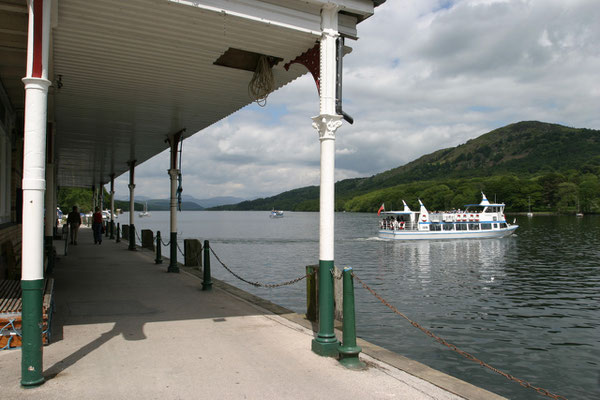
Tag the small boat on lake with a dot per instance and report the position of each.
(145, 213)
(276, 214)
(476, 221)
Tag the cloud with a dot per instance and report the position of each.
(424, 75)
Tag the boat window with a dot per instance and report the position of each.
(435, 227)
(461, 227)
(486, 226)
(503, 225)
(448, 227)
(495, 218)
(495, 226)
(473, 227)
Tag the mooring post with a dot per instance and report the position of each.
(158, 259)
(206, 281)
(348, 349)
(118, 232)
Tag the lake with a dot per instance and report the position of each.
(528, 304)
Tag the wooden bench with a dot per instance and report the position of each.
(10, 312)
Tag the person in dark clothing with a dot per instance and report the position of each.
(97, 226)
(74, 220)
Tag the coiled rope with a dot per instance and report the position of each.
(262, 82)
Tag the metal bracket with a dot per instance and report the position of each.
(311, 59)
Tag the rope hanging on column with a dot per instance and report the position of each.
(262, 82)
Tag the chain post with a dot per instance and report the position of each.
(118, 232)
(158, 259)
(206, 282)
(112, 230)
(348, 350)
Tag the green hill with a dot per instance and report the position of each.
(556, 166)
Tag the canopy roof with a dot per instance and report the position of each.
(126, 74)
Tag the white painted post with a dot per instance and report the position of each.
(34, 184)
(327, 123)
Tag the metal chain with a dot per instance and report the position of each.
(180, 251)
(258, 284)
(456, 349)
(138, 236)
(165, 244)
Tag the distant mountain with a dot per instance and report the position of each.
(534, 158)
(213, 201)
(189, 203)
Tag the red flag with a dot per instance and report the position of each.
(382, 208)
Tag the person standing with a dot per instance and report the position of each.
(97, 226)
(74, 220)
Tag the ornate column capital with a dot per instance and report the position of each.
(327, 124)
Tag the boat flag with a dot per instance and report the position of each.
(382, 208)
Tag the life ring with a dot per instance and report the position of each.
(401, 224)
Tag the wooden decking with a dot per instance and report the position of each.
(10, 312)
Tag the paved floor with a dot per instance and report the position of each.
(126, 329)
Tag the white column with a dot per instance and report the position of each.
(327, 123)
(34, 179)
(131, 203)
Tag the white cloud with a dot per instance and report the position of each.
(425, 75)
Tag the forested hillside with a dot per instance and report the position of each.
(551, 167)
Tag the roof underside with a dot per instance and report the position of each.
(133, 72)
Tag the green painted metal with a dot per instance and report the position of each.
(206, 279)
(325, 344)
(348, 350)
(173, 267)
(132, 237)
(112, 230)
(31, 350)
(158, 259)
(118, 232)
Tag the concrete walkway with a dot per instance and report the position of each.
(126, 329)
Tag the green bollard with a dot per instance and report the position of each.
(206, 282)
(118, 232)
(348, 349)
(158, 259)
(112, 230)
(106, 229)
(173, 267)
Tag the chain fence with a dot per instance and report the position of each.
(455, 348)
(258, 284)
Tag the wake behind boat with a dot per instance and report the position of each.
(476, 221)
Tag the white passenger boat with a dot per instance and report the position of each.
(145, 213)
(476, 221)
(276, 214)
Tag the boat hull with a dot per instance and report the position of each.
(441, 235)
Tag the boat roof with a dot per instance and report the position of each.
(399, 212)
(486, 205)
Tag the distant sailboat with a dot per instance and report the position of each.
(145, 213)
(529, 213)
(578, 214)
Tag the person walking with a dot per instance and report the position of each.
(74, 220)
(97, 226)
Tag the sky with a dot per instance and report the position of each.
(424, 75)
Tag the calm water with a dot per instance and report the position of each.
(528, 304)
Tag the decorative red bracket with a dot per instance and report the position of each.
(311, 60)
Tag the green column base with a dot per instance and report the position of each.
(173, 267)
(132, 238)
(325, 348)
(31, 349)
(325, 344)
(349, 357)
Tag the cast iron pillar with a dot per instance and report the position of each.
(112, 206)
(327, 122)
(131, 205)
(33, 185)
(174, 140)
